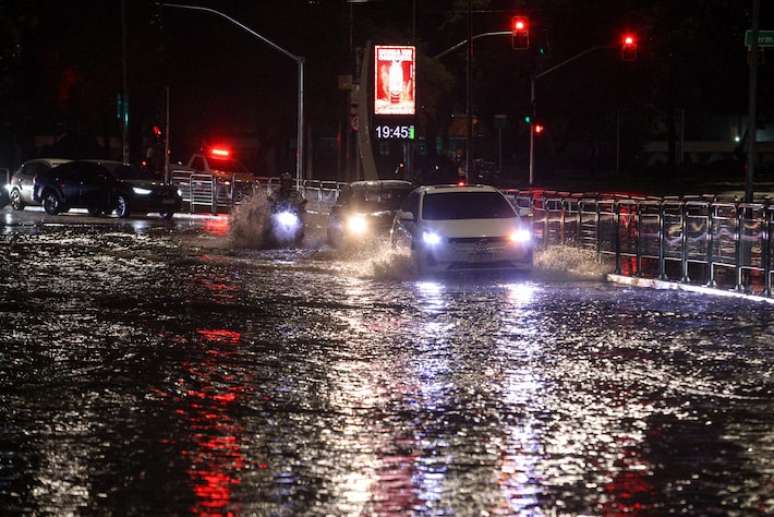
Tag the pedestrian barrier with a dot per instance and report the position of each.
(696, 240)
(218, 193)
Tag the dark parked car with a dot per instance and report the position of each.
(139, 191)
(365, 210)
(21, 184)
(91, 185)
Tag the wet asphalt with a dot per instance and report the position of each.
(151, 367)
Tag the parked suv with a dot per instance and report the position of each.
(20, 188)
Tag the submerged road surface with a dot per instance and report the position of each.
(153, 368)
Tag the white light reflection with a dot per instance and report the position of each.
(521, 294)
(431, 374)
(518, 476)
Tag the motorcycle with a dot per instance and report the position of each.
(285, 224)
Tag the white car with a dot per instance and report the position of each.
(461, 228)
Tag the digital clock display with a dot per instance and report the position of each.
(395, 132)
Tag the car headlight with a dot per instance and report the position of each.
(431, 238)
(521, 236)
(179, 192)
(141, 191)
(286, 219)
(357, 224)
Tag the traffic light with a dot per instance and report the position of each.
(520, 32)
(629, 47)
(538, 129)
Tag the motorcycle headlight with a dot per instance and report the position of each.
(141, 191)
(431, 238)
(357, 224)
(287, 219)
(521, 236)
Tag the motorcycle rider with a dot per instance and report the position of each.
(287, 194)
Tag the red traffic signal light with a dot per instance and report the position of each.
(629, 47)
(520, 32)
(538, 128)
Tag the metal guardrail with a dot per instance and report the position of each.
(220, 194)
(693, 240)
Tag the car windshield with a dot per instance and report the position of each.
(131, 173)
(466, 205)
(375, 198)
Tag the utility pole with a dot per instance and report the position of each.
(752, 123)
(166, 138)
(469, 103)
(125, 88)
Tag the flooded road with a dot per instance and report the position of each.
(153, 368)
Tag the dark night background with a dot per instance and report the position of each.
(60, 74)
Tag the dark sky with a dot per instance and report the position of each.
(223, 81)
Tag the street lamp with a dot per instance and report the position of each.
(298, 59)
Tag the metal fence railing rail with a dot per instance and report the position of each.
(219, 193)
(693, 240)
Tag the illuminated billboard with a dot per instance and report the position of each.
(394, 86)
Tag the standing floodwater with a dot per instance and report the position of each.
(147, 369)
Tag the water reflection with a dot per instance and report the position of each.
(208, 391)
(137, 382)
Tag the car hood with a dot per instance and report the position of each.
(472, 228)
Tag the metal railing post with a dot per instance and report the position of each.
(579, 229)
(768, 225)
(231, 195)
(597, 223)
(638, 240)
(214, 194)
(661, 241)
(562, 221)
(617, 236)
(738, 249)
(711, 246)
(684, 243)
(545, 224)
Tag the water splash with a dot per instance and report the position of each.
(248, 220)
(566, 263)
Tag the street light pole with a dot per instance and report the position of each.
(469, 103)
(752, 122)
(532, 120)
(125, 89)
(298, 59)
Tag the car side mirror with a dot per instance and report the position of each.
(404, 215)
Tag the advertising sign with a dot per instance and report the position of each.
(394, 82)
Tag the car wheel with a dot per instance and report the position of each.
(122, 206)
(167, 215)
(16, 200)
(50, 202)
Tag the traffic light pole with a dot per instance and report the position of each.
(469, 103)
(298, 59)
(752, 122)
(532, 99)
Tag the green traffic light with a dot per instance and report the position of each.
(528, 119)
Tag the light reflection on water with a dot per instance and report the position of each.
(273, 383)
